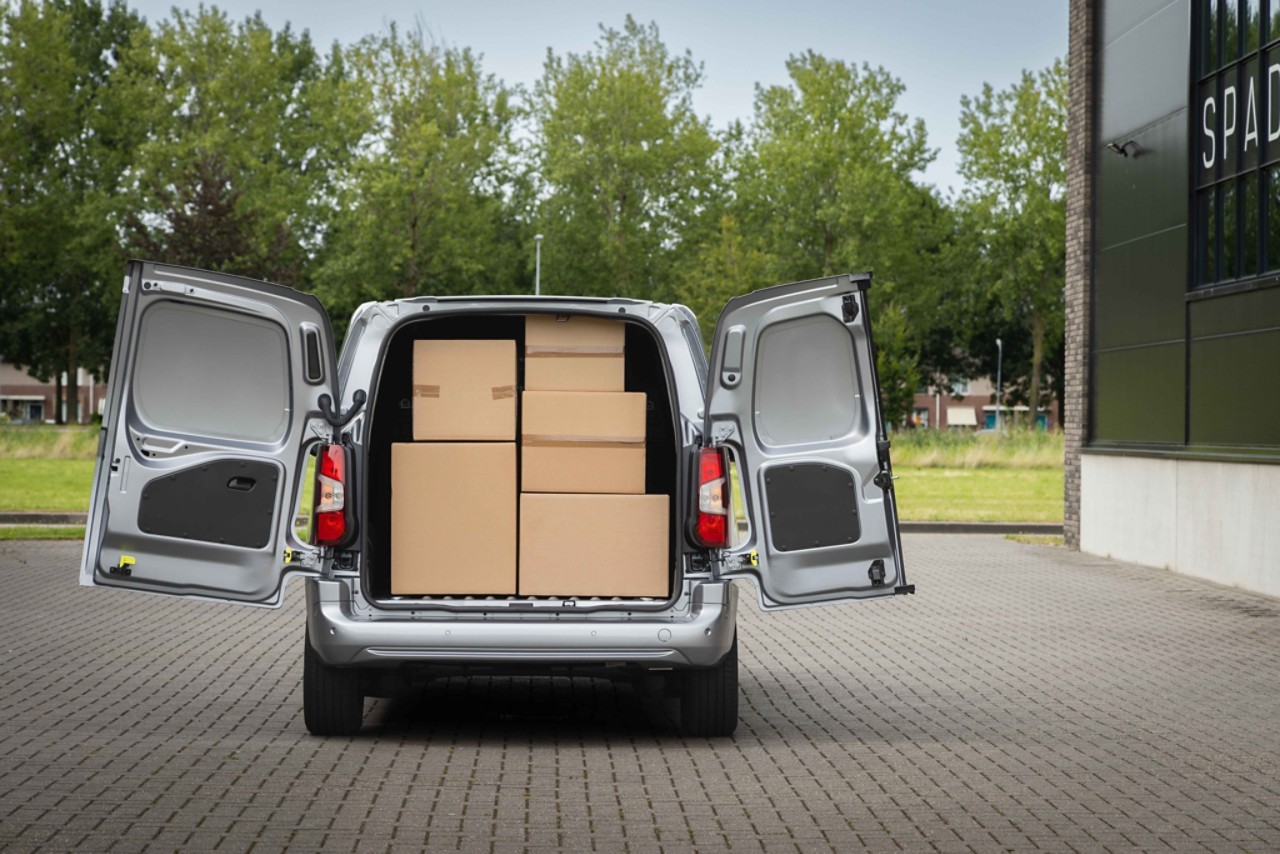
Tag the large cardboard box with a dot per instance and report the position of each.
(594, 545)
(573, 353)
(464, 391)
(453, 518)
(582, 441)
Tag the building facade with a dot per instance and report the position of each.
(972, 405)
(1173, 286)
(26, 400)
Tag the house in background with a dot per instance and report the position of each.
(26, 400)
(970, 405)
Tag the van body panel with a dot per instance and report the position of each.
(697, 635)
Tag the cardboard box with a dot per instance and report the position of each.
(464, 391)
(573, 353)
(582, 441)
(453, 518)
(594, 545)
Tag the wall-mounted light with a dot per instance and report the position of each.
(1123, 148)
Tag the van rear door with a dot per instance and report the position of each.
(792, 394)
(215, 396)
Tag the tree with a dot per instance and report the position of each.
(1013, 155)
(423, 207)
(827, 183)
(622, 164)
(245, 130)
(829, 169)
(63, 151)
(721, 268)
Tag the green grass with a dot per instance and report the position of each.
(979, 495)
(953, 476)
(57, 485)
(41, 532)
(1015, 449)
(24, 442)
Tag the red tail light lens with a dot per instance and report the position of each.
(712, 529)
(329, 508)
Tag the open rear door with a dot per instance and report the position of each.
(214, 396)
(792, 394)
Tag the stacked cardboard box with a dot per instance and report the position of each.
(453, 490)
(573, 353)
(586, 526)
(582, 441)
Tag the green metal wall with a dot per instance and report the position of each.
(1172, 370)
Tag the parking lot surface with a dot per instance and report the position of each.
(1027, 698)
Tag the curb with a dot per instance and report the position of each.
(43, 518)
(907, 527)
(1051, 528)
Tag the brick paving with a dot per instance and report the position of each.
(1028, 698)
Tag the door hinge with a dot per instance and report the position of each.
(884, 480)
(905, 589)
(850, 308)
(876, 573)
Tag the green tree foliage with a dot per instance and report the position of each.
(398, 167)
(1013, 147)
(829, 171)
(721, 268)
(622, 162)
(245, 129)
(424, 206)
(63, 151)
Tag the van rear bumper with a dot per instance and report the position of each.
(699, 637)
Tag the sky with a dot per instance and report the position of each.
(940, 49)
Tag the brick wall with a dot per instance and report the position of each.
(1079, 275)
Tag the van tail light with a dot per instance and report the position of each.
(330, 518)
(712, 529)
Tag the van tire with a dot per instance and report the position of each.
(709, 697)
(332, 702)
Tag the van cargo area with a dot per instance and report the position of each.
(391, 422)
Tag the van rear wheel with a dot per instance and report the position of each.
(709, 697)
(332, 702)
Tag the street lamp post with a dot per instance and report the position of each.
(537, 265)
(999, 369)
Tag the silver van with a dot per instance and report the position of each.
(225, 392)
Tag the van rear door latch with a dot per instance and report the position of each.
(124, 567)
(876, 573)
(849, 308)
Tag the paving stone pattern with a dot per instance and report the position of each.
(1027, 698)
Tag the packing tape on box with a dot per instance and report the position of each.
(569, 351)
(499, 392)
(617, 442)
